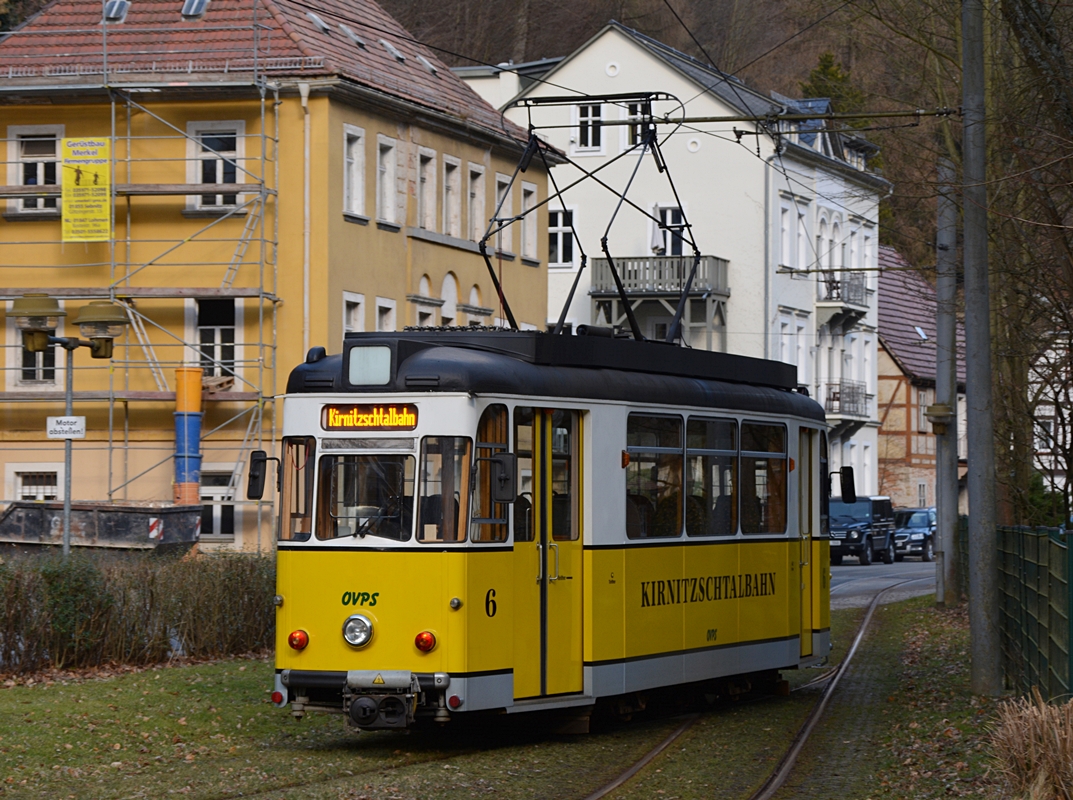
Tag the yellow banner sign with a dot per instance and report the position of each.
(87, 190)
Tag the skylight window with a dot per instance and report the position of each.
(352, 36)
(393, 50)
(116, 10)
(322, 26)
(920, 333)
(428, 64)
(194, 9)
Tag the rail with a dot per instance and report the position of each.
(847, 397)
(660, 275)
(844, 287)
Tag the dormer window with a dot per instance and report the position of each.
(115, 11)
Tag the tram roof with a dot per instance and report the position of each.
(534, 363)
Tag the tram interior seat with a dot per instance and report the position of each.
(432, 517)
(560, 516)
(523, 518)
(640, 515)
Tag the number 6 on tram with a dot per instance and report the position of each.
(513, 521)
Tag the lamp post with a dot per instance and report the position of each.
(100, 321)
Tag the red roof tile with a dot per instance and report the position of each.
(64, 44)
(907, 301)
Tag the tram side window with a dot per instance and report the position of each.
(444, 488)
(523, 448)
(564, 526)
(296, 517)
(712, 477)
(654, 496)
(366, 495)
(489, 523)
(763, 478)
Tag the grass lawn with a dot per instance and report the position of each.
(209, 731)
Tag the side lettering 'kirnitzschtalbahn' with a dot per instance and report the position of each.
(707, 589)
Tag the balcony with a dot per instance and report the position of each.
(846, 404)
(843, 299)
(653, 276)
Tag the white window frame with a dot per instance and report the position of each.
(452, 196)
(670, 241)
(194, 159)
(14, 382)
(353, 170)
(193, 350)
(563, 232)
(387, 190)
(220, 493)
(801, 357)
(13, 468)
(14, 164)
(786, 256)
(390, 306)
(529, 220)
(353, 300)
(504, 191)
(426, 188)
(802, 238)
(475, 197)
(628, 130)
(922, 426)
(922, 494)
(584, 127)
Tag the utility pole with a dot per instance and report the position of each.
(986, 671)
(946, 460)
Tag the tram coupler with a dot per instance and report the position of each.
(389, 699)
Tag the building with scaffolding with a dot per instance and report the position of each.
(277, 174)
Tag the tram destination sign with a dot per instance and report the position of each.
(370, 417)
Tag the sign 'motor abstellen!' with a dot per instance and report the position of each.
(66, 428)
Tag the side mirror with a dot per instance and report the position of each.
(504, 469)
(255, 487)
(849, 491)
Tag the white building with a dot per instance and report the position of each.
(785, 218)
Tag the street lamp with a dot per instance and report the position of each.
(100, 321)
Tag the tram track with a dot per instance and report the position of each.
(784, 767)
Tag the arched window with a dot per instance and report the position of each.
(449, 295)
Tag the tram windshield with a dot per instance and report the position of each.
(368, 495)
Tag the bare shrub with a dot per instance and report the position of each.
(85, 611)
(1032, 742)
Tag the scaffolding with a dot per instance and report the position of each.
(232, 252)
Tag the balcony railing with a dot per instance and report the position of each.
(848, 398)
(844, 287)
(660, 275)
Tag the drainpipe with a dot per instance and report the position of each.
(303, 91)
(768, 179)
(187, 436)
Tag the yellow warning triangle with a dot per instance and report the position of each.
(378, 680)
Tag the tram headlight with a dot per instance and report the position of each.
(357, 630)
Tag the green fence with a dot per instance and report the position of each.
(1035, 566)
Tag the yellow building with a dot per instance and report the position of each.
(276, 177)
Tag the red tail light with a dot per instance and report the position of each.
(425, 641)
(277, 697)
(298, 640)
(454, 701)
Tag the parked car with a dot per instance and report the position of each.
(914, 533)
(864, 529)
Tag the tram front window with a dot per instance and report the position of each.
(444, 488)
(366, 496)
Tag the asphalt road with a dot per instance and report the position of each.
(853, 585)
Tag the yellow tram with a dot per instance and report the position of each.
(512, 520)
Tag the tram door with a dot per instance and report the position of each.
(547, 553)
(807, 458)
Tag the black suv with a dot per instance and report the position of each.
(864, 529)
(914, 533)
